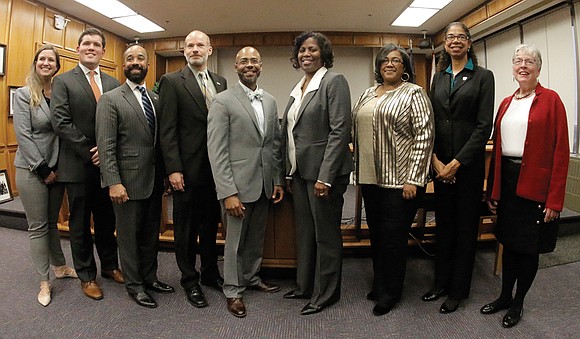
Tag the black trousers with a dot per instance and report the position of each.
(457, 212)
(389, 218)
(138, 238)
(85, 199)
(196, 212)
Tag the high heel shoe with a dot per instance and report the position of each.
(44, 294)
(64, 271)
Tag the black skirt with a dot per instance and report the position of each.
(520, 222)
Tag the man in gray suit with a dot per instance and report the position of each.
(73, 106)
(132, 169)
(244, 152)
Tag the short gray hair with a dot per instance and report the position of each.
(531, 50)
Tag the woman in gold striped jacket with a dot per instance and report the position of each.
(393, 134)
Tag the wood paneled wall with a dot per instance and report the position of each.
(24, 26)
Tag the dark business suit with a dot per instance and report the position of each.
(129, 156)
(322, 133)
(463, 122)
(183, 138)
(248, 163)
(73, 106)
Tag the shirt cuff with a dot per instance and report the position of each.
(322, 182)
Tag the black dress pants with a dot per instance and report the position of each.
(389, 218)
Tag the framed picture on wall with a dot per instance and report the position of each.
(10, 105)
(2, 59)
(5, 194)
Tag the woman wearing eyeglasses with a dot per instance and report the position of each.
(393, 134)
(462, 94)
(527, 179)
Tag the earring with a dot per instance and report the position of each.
(405, 77)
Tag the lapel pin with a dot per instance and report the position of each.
(464, 78)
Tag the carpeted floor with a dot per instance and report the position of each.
(552, 309)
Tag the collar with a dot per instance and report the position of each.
(257, 94)
(86, 70)
(133, 85)
(196, 72)
(469, 65)
(312, 86)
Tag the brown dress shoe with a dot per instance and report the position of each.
(115, 275)
(92, 289)
(236, 307)
(263, 286)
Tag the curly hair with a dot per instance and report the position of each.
(382, 55)
(445, 59)
(326, 53)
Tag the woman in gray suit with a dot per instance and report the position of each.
(36, 176)
(316, 128)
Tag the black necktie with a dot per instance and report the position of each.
(148, 109)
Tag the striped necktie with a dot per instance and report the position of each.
(205, 89)
(148, 108)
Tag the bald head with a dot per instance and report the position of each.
(249, 66)
(197, 50)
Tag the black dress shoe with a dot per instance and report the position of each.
(433, 294)
(495, 306)
(217, 283)
(195, 296)
(449, 306)
(512, 317)
(143, 299)
(382, 309)
(263, 286)
(371, 296)
(292, 295)
(159, 287)
(311, 309)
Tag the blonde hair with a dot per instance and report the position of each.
(33, 81)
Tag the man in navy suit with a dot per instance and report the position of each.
(185, 96)
(73, 106)
(132, 170)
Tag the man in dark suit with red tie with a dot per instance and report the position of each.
(185, 96)
(73, 106)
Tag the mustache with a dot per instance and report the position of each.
(139, 67)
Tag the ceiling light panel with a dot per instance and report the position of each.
(139, 23)
(438, 4)
(108, 8)
(414, 17)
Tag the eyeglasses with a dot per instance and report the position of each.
(393, 61)
(520, 61)
(253, 61)
(460, 37)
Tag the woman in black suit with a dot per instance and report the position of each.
(316, 129)
(462, 94)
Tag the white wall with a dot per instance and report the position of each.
(279, 77)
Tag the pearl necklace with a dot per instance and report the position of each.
(525, 95)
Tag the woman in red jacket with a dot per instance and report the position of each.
(527, 179)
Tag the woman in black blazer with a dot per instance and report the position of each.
(316, 133)
(462, 94)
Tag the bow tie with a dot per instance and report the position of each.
(258, 94)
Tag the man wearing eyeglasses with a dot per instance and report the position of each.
(243, 143)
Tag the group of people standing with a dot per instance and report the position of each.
(225, 150)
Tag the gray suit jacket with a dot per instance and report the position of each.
(323, 131)
(243, 161)
(126, 145)
(73, 108)
(37, 142)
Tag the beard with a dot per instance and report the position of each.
(136, 77)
